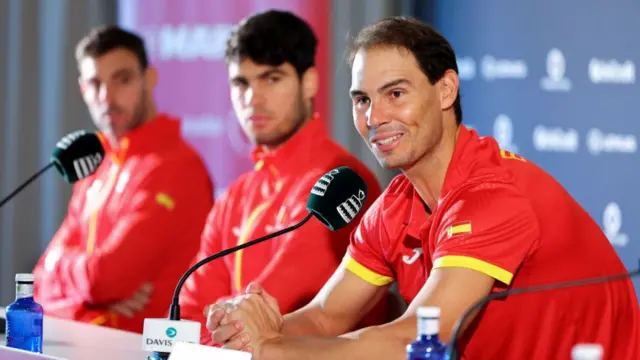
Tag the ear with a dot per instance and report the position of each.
(151, 77)
(449, 85)
(310, 83)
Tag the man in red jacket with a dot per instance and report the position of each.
(132, 227)
(273, 82)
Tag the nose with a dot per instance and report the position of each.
(253, 96)
(105, 94)
(375, 115)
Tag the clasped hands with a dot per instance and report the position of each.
(245, 322)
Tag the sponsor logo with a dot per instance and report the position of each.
(187, 42)
(86, 165)
(503, 133)
(171, 332)
(466, 68)
(555, 139)
(349, 209)
(599, 142)
(411, 259)
(556, 68)
(612, 224)
(321, 186)
(612, 71)
(496, 69)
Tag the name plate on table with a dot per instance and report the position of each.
(160, 335)
(187, 351)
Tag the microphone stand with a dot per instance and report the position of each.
(29, 181)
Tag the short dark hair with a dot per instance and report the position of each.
(273, 38)
(101, 40)
(431, 50)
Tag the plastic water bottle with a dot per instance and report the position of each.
(587, 352)
(24, 317)
(427, 345)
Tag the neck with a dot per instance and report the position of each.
(150, 114)
(428, 174)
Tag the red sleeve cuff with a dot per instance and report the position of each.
(366, 274)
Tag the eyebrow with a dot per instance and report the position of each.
(386, 86)
(262, 75)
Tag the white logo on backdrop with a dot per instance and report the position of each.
(496, 69)
(503, 133)
(555, 139)
(599, 142)
(556, 69)
(466, 68)
(612, 71)
(612, 224)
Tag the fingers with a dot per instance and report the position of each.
(254, 288)
(224, 333)
(238, 342)
(121, 309)
(214, 318)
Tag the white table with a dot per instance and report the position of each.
(74, 340)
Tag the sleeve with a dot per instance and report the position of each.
(490, 229)
(365, 257)
(212, 281)
(141, 236)
(66, 238)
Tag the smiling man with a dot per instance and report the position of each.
(483, 219)
(273, 82)
(133, 226)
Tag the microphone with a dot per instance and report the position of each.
(76, 156)
(335, 200)
(457, 329)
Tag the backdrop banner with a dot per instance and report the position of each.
(186, 42)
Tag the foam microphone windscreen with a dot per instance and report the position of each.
(337, 197)
(78, 155)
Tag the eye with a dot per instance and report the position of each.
(397, 93)
(361, 100)
(273, 79)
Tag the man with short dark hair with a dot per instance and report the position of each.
(465, 219)
(133, 226)
(273, 82)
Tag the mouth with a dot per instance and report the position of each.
(386, 143)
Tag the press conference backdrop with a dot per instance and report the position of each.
(186, 42)
(556, 81)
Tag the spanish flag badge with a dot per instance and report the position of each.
(460, 228)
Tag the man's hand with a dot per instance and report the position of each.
(135, 304)
(244, 322)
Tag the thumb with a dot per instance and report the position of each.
(254, 288)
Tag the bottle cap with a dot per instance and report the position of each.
(24, 278)
(429, 312)
(587, 351)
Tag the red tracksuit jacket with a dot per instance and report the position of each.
(292, 267)
(137, 219)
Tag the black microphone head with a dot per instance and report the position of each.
(78, 155)
(337, 197)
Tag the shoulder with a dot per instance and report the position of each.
(391, 206)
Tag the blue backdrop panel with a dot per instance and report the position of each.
(556, 81)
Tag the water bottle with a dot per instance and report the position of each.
(24, 317)
(587, 352)
(427, 345)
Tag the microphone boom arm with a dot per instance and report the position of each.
(29, 181)
(174, 312)
(457, 329)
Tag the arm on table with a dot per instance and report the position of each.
(468, 262)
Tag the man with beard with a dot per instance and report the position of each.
(132, 227)
(478, 218)
(273, 82)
